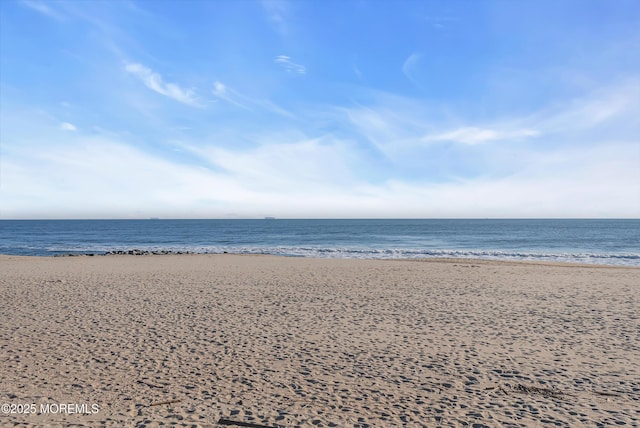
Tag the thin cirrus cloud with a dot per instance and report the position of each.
(617, 103)
(279, 157)
(227, 94)
(155, 82)
(290, 66)
(473, 135)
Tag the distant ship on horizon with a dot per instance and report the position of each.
(269, 218)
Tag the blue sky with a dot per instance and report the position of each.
(316, 109)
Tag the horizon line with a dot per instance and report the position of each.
(317, 218)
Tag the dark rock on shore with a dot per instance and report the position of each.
(133, 252)
(137, 252)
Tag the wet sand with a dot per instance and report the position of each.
(195, 340)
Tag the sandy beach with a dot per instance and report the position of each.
(203, 340)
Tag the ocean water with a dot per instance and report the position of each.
(613, 242)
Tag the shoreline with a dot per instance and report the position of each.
(398, 259)
(285, 341)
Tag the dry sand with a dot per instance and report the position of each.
(189, 340)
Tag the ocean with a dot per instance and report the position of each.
(611, 242)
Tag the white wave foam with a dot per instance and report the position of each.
(625, 259)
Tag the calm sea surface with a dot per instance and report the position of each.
(615, 242)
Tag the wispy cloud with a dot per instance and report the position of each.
(221, 91)
(42, 8)
(391, 127)
(289, 65)
(473, 135)
(234, 97)
(284, 173)
(619, 103)
(155, 82)
(288, 159)
(411, 143)
(290, 179)
(66, 126)
(275, 108)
